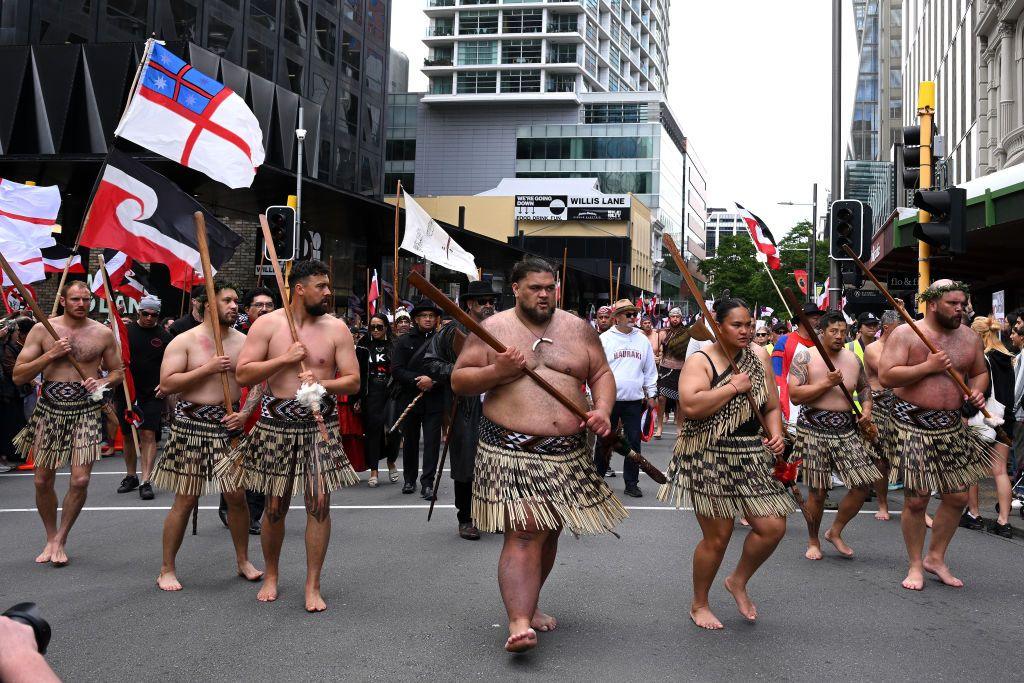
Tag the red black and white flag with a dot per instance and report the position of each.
(764, 241)
(126, 276)
(56, 256)
(137, 211)
(372, 296)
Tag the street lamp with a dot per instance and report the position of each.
(813, 241)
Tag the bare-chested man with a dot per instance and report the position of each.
(534, 474)
(286, 453)
(881, 400)
(67, 425)
(932, 449)
(827, 438)
(201, 432)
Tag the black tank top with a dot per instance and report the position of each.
(752, 426)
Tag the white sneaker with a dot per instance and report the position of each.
(836, 481)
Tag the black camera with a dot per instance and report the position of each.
(28, 613)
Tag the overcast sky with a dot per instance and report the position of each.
(749, 82)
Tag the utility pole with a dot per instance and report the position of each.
(925, 115)
(835, 295)
(813, 246)
(300, 134)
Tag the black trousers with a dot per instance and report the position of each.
(13, 419)
(377, 446)
(430, 424)
(464, 501)
(256, 502)
(629, 413)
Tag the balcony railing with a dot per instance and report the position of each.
(563, 27)
(440, 30)
(444, 61)
(442, 3)
(561, 86)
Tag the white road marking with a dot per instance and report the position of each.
(424, 506)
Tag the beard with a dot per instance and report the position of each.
(950, 322)
(536, 316)
(486, 312)
(317, 310)
(228, 318)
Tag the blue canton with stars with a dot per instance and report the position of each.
(193, 90)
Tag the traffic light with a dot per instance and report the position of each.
(850, 223)
(284, 232)
(947, 227)
(909, 160)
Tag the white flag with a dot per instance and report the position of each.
(424, 237)
(27, 215)
(29, 270)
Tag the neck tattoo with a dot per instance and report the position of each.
(540, 337)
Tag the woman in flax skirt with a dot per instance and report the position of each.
(722, 462)
(377, 372)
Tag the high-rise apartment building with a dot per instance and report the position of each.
(878, 104)
(486, 49)
(722, 223)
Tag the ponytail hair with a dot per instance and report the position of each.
(988, 329)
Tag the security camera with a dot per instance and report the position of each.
(300, 133)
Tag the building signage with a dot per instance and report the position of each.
(902, 281)
(546, 207)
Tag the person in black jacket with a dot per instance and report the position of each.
(409, 367)
(442, 353)
(374, 353)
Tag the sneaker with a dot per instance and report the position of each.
(372, 483)
(393, 476)
(830, 504)
(894, 487)
(1004, 530)
(408, 487)
(427, 492)
(468, 531)
(969, 521)
(146, 491)
(129, 483)
(837, 482)
(610, 473)
(633, 491)
(256, 528)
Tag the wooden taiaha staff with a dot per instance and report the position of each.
(408, 409)
(457, 342)
(618, 279)
(1001, 434)
(611, 284)
(561, 292)
(711, 322)
(108, 293)
(869, 430)
(282, 290)
(619, 444)
(212, 309)
(45, 322)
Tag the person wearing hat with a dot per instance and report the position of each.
(604, 319)
(402, 323)
(479, 302)
(867, 332)
(147, 341)
(409, 368)
(631, 360)
(194, 316)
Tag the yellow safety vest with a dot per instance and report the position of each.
(858, 350)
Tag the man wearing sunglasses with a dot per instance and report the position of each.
(147, 341)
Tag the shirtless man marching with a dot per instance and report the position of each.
(932, 449)
(67, 425)
(285, 453)
(881, 402)
(827, 438)
(533, 473)
(201, 432)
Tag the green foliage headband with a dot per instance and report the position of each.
(933, 292)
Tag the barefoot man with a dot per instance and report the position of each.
(67, 425)
(827, 438)
(533, 472)
(286, 453)
(201, 432)
(932, 449)
(881, 406)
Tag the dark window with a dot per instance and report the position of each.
(369, 174)
(353, 10)
(186, 20)
(351, 57)
(408, 182)
(477, 81)
(476, 23)
(219, 38)
(520, 81)
(323, 171)
(264, 13)
(294, 74)
(400, 150)
(371, 125)
(128, 17)
(523, 21)
(374, 71)
(520, 52)
(348, 110)
(326, 37)
(296, 21)
(376, 19)
(260, 59)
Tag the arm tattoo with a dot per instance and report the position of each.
(862, 379)
(799, 367)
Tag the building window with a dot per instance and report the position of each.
(326, 36)
(408, 182)
(478, 52)
(219, 37)
(561, 53)
(615, 113)
(584, 147)
(472, 82)
(591, 62)
(523, 21)
(186, 19)
(128, 17)
(294, 74)
(352, 10)
(561, 83)
(560, 23)
(351, 57)
(441, 85)
(348, 111)
(371, 125)
(520, 81)
(400, 150)
(478, 23)
(260, 59)
(520, 52)
(376, 19)
(264, 13)
(374, 71)
(296, 21)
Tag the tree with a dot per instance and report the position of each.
(735, 268)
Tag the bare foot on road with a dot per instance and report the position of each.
(47, 553)
(59, 558)
(167, 581)
(314, 603)
(249, 572)
(942, 572)
(520, 640)
(837, 541)
(543, 622)
(882, 515)
(928, 521)
(914, 580)
(743, 602)
(268, 591)
(813, 551)
(705, 618)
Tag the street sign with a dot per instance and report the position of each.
(600, 207)
(902, 281)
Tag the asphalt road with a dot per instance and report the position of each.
(409, 599)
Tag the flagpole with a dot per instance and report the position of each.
(561, 294)
(108, 294)
(367, 294)
(777, 291)
(618, 279)
(394, 283)
(611, 283)
(212, 309)
(263, 260)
